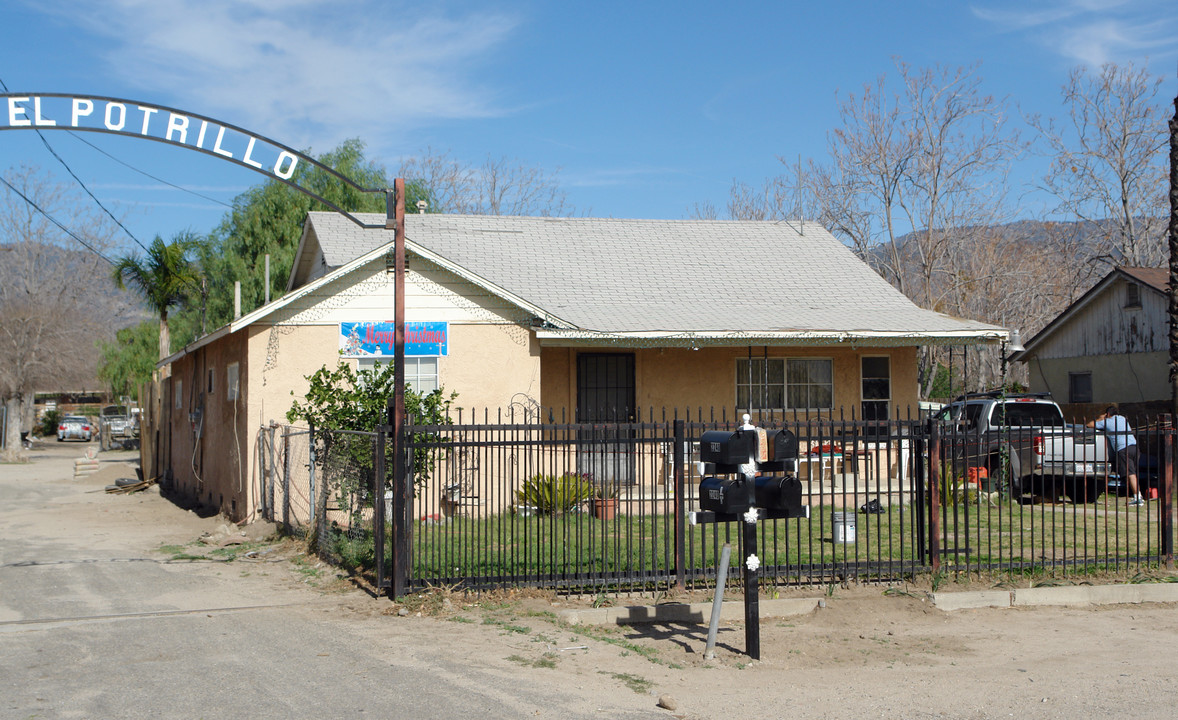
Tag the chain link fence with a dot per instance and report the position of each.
(321, 485)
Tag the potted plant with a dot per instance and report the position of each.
(604, 502)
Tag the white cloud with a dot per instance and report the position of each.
(1093, 32)
(304, 72)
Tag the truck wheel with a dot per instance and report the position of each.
(1003, 469)
(1081, 490)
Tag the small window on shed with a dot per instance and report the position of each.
(179, 392)
(1132, 295)
(1080, 387)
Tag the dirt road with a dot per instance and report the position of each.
(111, 606)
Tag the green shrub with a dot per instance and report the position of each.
(49, 422)
(555, 495)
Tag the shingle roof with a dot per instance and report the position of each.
(1157, 278)
(655, 276)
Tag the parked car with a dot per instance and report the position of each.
(1024, 445)
(75, 427)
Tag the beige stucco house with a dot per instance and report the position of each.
(1110, 345)
(562, 318)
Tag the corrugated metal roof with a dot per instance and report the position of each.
(657, 276)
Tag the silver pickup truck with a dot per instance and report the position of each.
(116, 424)
(1025, 446)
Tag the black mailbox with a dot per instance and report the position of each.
(723, 495)
(779, 493)
(782, 451)
(774, 493)
(728, 449)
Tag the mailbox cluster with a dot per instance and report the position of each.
(747, 456)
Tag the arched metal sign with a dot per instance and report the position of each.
(117, 116)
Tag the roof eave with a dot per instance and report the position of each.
(795, 338)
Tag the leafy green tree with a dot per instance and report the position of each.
(163, 278)
(345, 399)
(129, 361)
(268, 220)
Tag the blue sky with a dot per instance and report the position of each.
(645, 108)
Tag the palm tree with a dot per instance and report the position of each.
(161, 278)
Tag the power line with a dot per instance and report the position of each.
(80, 183)
(149, 175)
(51, 219)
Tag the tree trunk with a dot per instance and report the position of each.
(165, 340)
(12, 447)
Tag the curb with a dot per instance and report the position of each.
(1072, 595)
(700, 613)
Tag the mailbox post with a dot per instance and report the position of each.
(748, 495)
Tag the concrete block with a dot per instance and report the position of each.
(949, 601)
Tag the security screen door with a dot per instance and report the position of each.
(605, 397)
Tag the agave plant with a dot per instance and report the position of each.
(555, 494)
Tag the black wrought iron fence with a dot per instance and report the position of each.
(609, 506)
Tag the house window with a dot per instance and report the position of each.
(1132, 295)
(784, 383)
(179, 392)
(876, 387)
(1080, 387)
(210, 381)
(231, 381)
(760, 383)
(421, 373)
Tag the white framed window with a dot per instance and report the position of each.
(1132, 295)
(231, 382)
(178, 384)
(421, 373)
(785, 383)
(875, 390)
(876, 387)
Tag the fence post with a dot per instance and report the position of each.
(680, 439)
(379, 526)
(286, 481)
(402, 497)
(917, 479)
(1166, 491)
(311, 477)
(934, 500)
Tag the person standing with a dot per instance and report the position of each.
(1120, 437)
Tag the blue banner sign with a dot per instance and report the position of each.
(375, 339)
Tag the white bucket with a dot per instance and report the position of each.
(844, 527)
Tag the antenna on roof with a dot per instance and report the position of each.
(801, 228)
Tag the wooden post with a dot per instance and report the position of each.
(402, 493)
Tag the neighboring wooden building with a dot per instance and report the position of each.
(572, 318)
(1111, 345)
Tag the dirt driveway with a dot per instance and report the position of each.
(90, 581)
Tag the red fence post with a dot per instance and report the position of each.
(934, 496)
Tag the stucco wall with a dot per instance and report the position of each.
(1123, 378)
(706, 378)
(210, 459)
